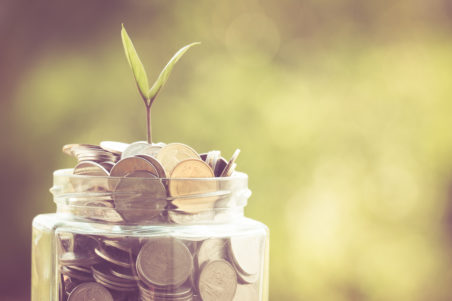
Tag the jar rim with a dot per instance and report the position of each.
(136, 199)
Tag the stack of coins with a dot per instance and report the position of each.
(92, 153)
(150, 178)
(159, 268)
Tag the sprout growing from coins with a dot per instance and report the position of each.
(148, 94)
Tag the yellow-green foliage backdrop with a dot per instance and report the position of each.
(342, 110)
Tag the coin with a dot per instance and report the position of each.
(230, 163)
(140, 196)
(123, 273)
(80, 268)
(171, 154)
(76, 274)
(180, 293)
(134, 149)
(245, 278)
(211, 249)
(212, 158)
(131, 164)
(192, 196)
(217, 281)
(150, 150)
(89, 168)
(246, 293)
(157, 165)
(88, 152)
(220, 166)
(164, 262)
(180, 217)
(114, 256)
(126, 244)
(246, 252)
(114, 147)
(90, 291)
(79, 259)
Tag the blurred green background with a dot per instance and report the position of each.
(342, 110)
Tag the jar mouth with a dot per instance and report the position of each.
(139, 200)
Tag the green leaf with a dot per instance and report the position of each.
(163, 77)
(135, 63)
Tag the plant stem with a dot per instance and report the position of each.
(148, 117)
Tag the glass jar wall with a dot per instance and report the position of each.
(149, 239)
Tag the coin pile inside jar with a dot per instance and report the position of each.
(163, 268)
(152, 178)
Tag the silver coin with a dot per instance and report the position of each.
(150, 150)
(134, 149)
(80, 259)
(182, 218)
(114, 147)
(90, 291)
(157, 165)
(123, 273)
(220, 166)
(246, 252)
(76, 274)
(89, 168)
(164, 262)
(131, 164)
(171, 154)
(140, 196)
(102, 272)
(113, 256)
(217, 281)
(230, 163)
(246, 293)
(211, 249)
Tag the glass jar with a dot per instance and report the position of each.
(123, 239)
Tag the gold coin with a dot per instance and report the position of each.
(192, 193)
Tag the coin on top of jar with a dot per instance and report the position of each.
(171, 154)
(192, 196)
